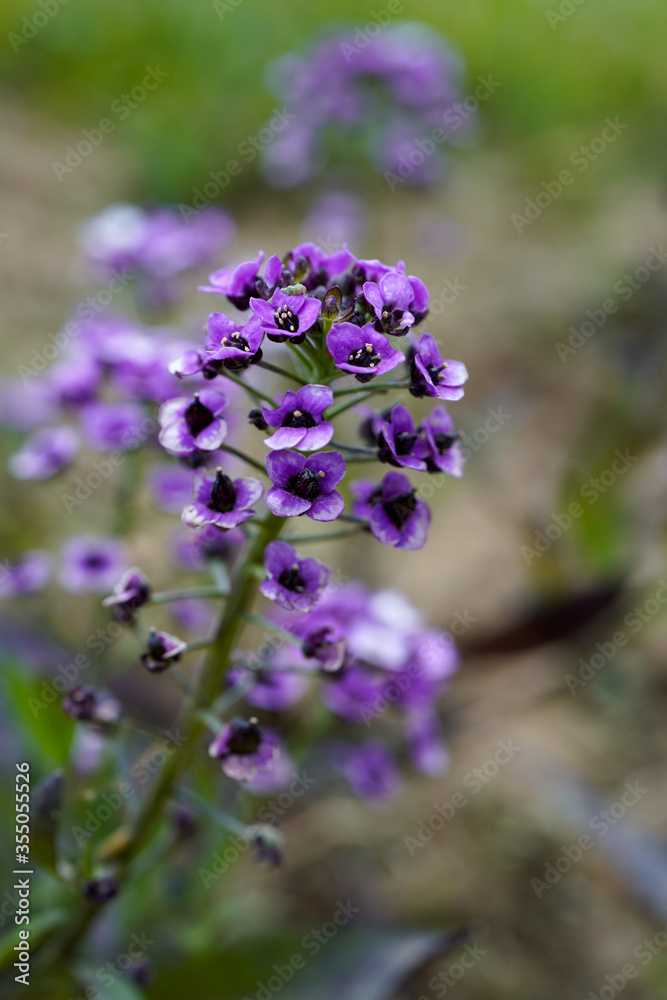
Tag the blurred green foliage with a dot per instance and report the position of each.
(559, 74)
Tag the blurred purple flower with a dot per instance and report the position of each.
(162, 649)
(370, 770)
(243, 748)
(193, 425)
(113, 426)
(397, 516)
(44, 453)
(91, 564)
(27, 575)
(132, 591)
(293, 583)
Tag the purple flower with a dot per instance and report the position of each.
(425, 741)
(87, 704)
(397, 440)
(390, 300)
(273, 690)
(320, 644)
(235, 346)
(194, 425)
(130, 593)
(305, 485)
(113, 426)
(222, 502)
(354, 695)
(27, 575)
(439, 445)
(294, 584)
(90, 563)
(162, 649)
(45, 453)
(430, 375)
(242, 282)
(243, 749)
(370, 770)
(75, 380)
(299, 419)
(362, 351)
(397, 516)
(171, 486)
(286, 317)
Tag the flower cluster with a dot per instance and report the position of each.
(311, 339)
(379, 94)
(155, 245)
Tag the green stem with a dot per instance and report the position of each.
(256, 393)
(165, 596)
(327, 537)
(279, 371)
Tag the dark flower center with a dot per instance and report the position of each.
(404, 443)
(399, 508)
(435, 371)
(365, 357)
(236, 340)
(290, 579)
(299, 419)
(244, 737)
(223, 494)
(94, 561)
(285, 319)
(198, 417)
(156, 647)
(444, 442)
(306, 485)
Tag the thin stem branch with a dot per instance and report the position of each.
(353, 448)
(245, 458)
(256, 393)
(165, 596)
(326, 537)
(280, 371)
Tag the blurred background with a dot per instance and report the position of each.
(553, 292)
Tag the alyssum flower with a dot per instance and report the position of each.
(130, 593)
(193, 425)
(430, 375)
(223, 502)
(162, 649)
(294, 584)
(243, 749)
(397, 516)
(287, 317)
(299, 420)
(305, 485)
(362, 351)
